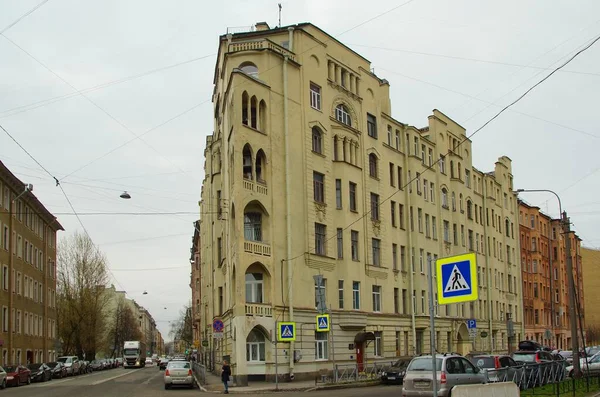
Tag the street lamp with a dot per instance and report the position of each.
(125, 195)
(572, 307)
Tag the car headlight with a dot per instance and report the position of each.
(10, 377)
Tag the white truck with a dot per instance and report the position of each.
(134, 354)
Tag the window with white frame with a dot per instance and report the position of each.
(321, 346)
(376, 247)
(356, 295)
(378, 344)
(4, 319)
(376, 298)
(5, 277)
(320, 294)
(254, 287)
(255, 346)
(315, 96)
(343, 115)
(341, 294)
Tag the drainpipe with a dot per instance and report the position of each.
(487, 265)
(410, 264)
(288, 194)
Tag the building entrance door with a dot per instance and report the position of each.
(29, 358)
(360, 348)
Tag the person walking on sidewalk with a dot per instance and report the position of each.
(225, 374)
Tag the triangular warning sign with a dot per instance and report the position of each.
(287, 332)
(323, 322)
(456, 281)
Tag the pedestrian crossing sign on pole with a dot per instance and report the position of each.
(457, 279)
(286, 332)
(322, 323)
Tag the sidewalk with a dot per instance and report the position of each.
(214, 385)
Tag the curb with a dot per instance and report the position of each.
(347, 385)
(339, 386)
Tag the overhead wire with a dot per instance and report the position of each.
(23, 16)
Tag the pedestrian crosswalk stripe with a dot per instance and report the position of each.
(322, 323)
(456, 281)
(287, 332)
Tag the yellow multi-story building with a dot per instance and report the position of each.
(590, 263)
(308, 174)
(28, 331)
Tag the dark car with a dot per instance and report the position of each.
(162, 364)
(40, 372)
(58, 369)
(96, 365)
(17, 375)
(394, 374)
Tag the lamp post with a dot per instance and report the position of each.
(572, 304)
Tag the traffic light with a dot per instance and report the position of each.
(187, 351)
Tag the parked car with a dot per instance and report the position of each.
(592, 365)
(119, 361)
(2, 378)
(96, 365)
(58, 369)
(540, 367)
(394, 374)
(452, 369)
(16, 375)
(499, 368)
(179, 373)
(71, 363)
(40, 372)
(163, 363)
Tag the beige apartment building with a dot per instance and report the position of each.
(28, 263)
(308, 174)
(590, 263)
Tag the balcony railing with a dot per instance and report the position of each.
(260, 187)
(259, 309)
(257, 247)
(257, 45)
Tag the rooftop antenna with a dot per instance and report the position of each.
(279, 5)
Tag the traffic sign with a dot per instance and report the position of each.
(472, 323)
(322, 323)
(205, 343)
(286, 332)
(472, 332)
(218, 325)
(457, 279)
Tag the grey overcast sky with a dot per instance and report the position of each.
(467, 58)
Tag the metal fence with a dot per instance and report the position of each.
(343, 373)
(199, 372)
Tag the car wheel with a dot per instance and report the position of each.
(29, 380)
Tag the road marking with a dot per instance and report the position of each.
(53, 382)
(152, 377)
(112, 378)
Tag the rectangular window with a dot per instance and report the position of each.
(374, 207)
(421, 261)
(5, 320)
(434, 227)
(412, 259)
(320, 233)
(405, 301)
(418, 183)
(376, 298)
(389, 136)
(356, 295)
(431, 190)
(403, 258)
(412, 219)
(447, 231)
(425, 188)
(315, 96)
(352, 193)
(423, 302)
(319, 187)
(401, 215)
(5, 277)
(420, 219)
(393, 212)
(354, 244)
(378, 345)
(395, 256)
(220, 250)
(396, 301)
(427, 229)
(392, 178)
(423, 153)
(468, 178)
(376, 247)
(321, 348)
(320, 295)
(399, 172)
(397, 140)
(338, 194)
(341, 294)
(340, 243)
(430, 157)
(371, 126)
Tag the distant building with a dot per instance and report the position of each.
(28, 270)
(196, 287)
(590, 263)
(335, 201)
(545, 278)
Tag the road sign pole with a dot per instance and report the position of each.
(432, 326)
(276, 372)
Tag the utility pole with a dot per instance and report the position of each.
(432, 326)
(572, 309)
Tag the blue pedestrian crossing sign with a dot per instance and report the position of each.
(322, 323)
(286, 332)
(457, 279)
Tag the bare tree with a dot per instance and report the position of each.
(592, 334)
(181, 329)
(124, 327)
(81, 278)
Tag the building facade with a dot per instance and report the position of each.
(308, 174)
(590, 263)
(28, 264)
(148, 328)
(196, 286)
(545, 278)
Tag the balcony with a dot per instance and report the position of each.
(257, 247)
(259, 309)
(259, 45)
(256, 187)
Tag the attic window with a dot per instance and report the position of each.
(249, 68)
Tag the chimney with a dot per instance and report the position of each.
(262, 26)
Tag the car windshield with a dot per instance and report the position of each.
(424, 364)
(130, 352)
(33, 367)
(10, 368)
(401, 364)
(484, 362)
(566, 354)
(64, 359)
(179, 364)
(95, 362)
(525, 357)
(592, 350)
(52, 364)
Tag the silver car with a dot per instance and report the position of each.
(71, 363)
(2, 378)
(179, 373)
(452, 370)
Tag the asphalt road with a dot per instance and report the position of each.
(148, 382)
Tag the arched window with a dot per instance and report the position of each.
(245, 100)
(373, 171)
(249, 68)
(253, 226)
(460, 203)
(317, 140)
(444, 197)
(453, 201)
(469, 209)
(254, 112)
(255, 346)
(459, 171)
(247, 161)
(451, 169)
(343, 115)
(507, 227)
(254, 287)
(261, 161)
